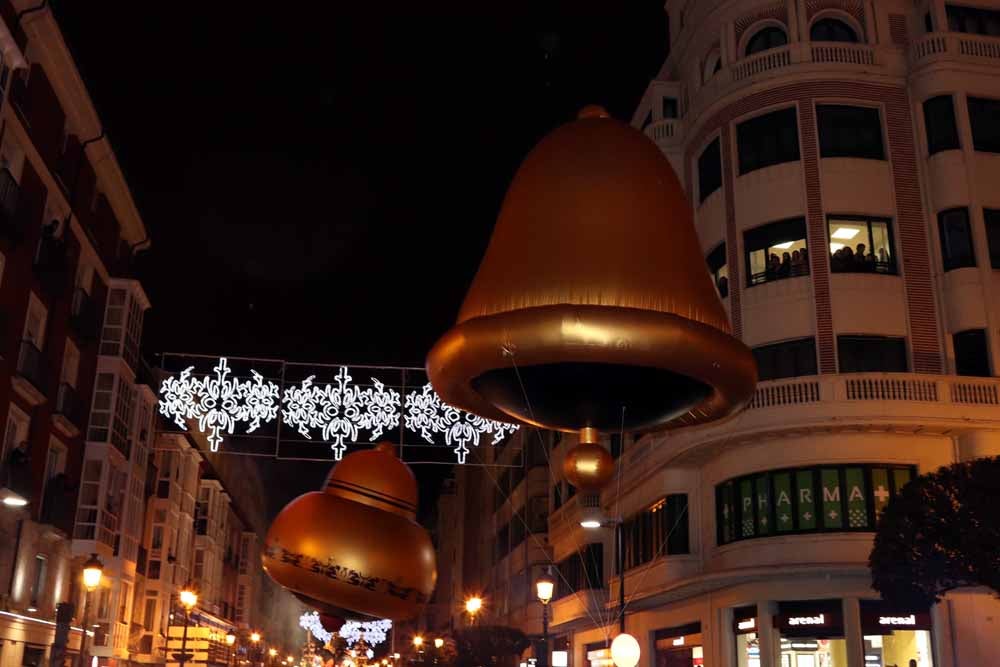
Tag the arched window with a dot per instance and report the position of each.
(832, 30)
(770, 37)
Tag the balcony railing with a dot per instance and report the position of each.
(763, 62)
(877, 387)
(83, 317)
(954, 45)
(68, 404)
(848, 54)
(31, 365)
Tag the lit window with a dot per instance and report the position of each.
(776, 251)
(861, 245)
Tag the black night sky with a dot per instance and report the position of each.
(320, 180)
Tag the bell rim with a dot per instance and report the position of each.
(540, 334)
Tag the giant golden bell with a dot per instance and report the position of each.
(593, 306)
(355, 547)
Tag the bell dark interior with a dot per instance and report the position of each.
(577, 395)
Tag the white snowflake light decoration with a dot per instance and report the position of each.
(373, 632)
(426, 413)
(339, 412)
(218, 403)
(310, 621)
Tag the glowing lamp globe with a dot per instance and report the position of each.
(610, 320)
(625, 650)
(230, 639)
(355, 548)
(92, 571)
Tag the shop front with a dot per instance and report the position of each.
(812, 633)
(893, 637)
(747, 636)
(680, 646)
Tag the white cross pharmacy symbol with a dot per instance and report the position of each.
(833, 515)
(808, 516)
(882, 494)
(784, 518)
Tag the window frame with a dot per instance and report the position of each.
(786, 344)
(768, 27)
(983, 144)
(985, 352)
(893, 268)
(950, 263)
(703, 166)
(714, 268)
(937, 145)
(843, 20)
(827, 149)
(901, 340)
(749, 248)
(991, 221)
(743, 165)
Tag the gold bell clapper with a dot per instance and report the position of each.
(588, 466)
(355, 547)
(593, 307)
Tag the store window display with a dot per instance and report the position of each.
(747, 638)
(894, 637)
(812, 634)
(679, 646)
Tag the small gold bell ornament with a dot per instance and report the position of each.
(355, 547)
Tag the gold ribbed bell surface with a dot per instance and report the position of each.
(593, 307)
(355, 548)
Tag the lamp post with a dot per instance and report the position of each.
(591, 523)
(255, 638)
(93, 570)
(230, 640)
(544, 588)
(272, 653)
(188, 599)
(473, 605)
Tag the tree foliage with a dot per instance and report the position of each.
(942, 531)
(487, 645)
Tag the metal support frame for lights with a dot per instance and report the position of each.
(544, 589)
(93, 571)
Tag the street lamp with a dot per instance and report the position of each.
(188, 599)
(544, 588)
(418, 641)
(273, 652)
(438, 643)
(472, 607)
(255, 638)
(593, 522)
(230, 640)
(93, 570)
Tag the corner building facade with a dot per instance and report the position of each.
(841, 159)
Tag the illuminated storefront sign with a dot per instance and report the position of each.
(819, 619)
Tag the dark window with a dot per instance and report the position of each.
(849, 132)
(584, 570)
(776, 251)
(709, 171)
(806, 500)
(861, 245)
(972, 355)
(984, 117)
(719, 269)
(928, 23)
(786, 360)
(768, 140)
(973, 20)
(832, 30)
(939, 121)
(991, 217)
(871, 354)
(956, 239)
(770, 37)
(616, 445)
(648, 120)
(660, 530)
(670, 107)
